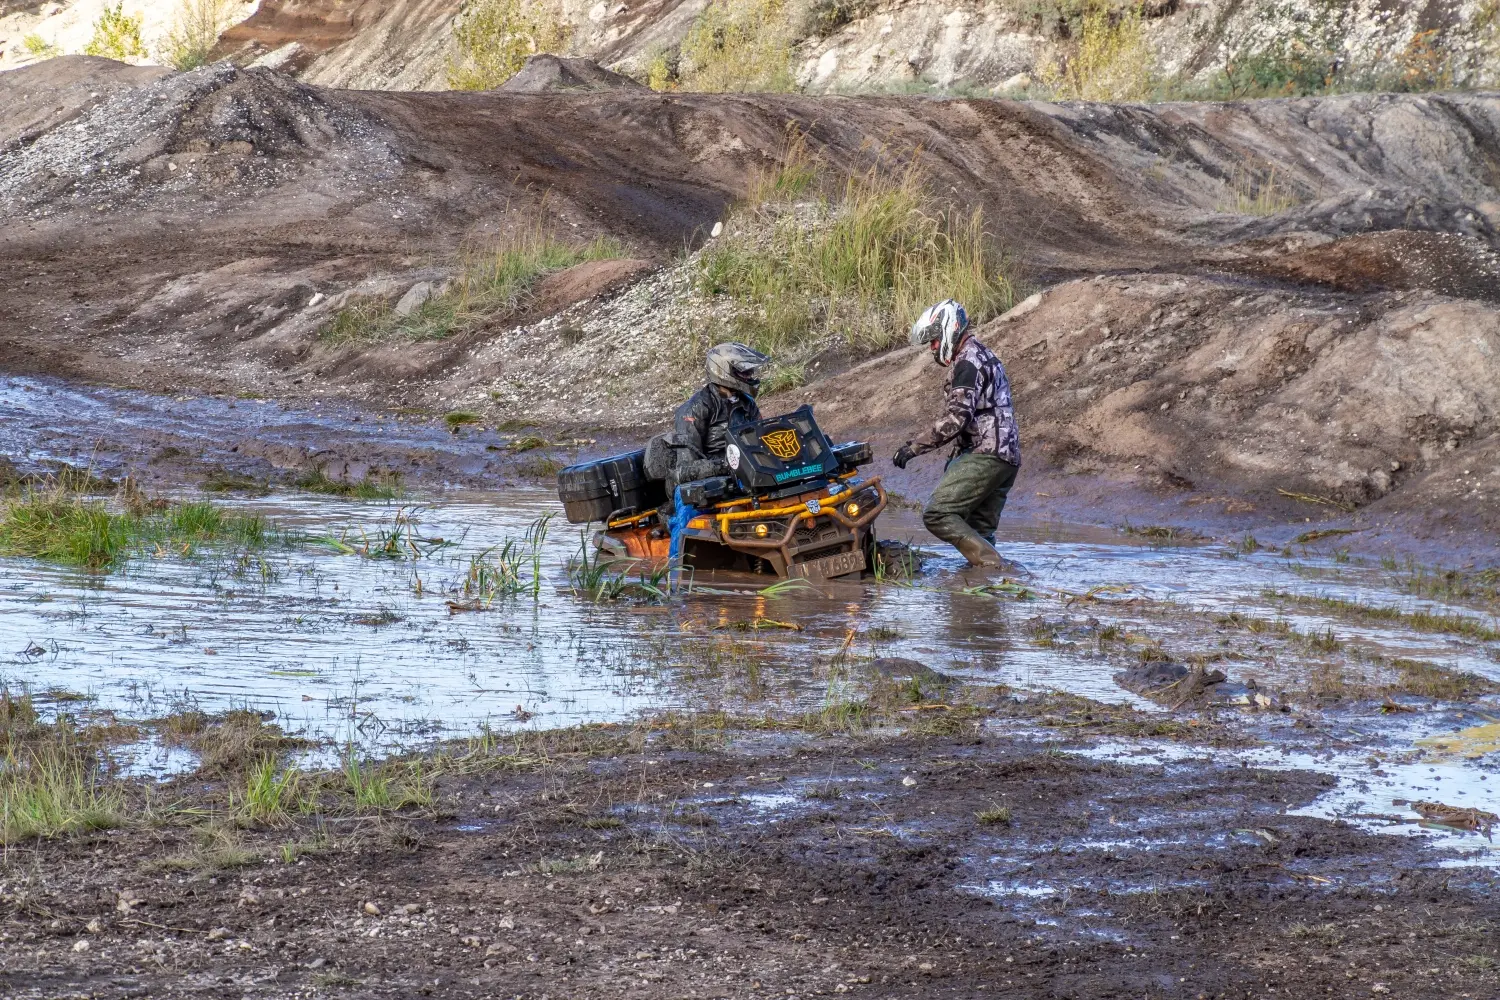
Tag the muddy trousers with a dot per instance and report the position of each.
(966, 506)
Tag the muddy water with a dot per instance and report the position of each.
(342, 647)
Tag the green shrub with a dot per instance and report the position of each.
(194, 33)
(494, 38)
(1110, 59)
(661, 70)
(117, 35)
(739, 45)
(38, 46)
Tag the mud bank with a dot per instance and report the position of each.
(772, 866)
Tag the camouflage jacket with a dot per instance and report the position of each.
(980, 417)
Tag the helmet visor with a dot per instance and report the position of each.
(747, 373)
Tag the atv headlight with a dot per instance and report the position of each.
(761, 531)
(852, 509)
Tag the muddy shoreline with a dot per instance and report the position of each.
(723, 863)
(1059, 799)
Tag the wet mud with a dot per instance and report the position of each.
(783, 867)
(923, 784)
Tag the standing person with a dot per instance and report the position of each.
(980, 421)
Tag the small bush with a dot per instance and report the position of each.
(661, 70)
(827, 16)
(739, 45)
(194, 32)
(1109, 61)
(38, 46)
(117, 35)
(495, 37)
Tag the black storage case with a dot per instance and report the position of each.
(852, 454)
(778, 451)
(591, 491)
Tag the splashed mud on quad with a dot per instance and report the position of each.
(793, 505)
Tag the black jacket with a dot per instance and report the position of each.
(701, 424)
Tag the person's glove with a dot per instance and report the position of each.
(903, 455)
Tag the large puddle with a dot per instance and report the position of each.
(342, 647)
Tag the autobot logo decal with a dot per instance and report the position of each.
(783, 444)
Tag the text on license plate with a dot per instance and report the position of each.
(828, 566)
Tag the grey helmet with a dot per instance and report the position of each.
(735, 366)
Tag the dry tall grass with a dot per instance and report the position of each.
(855, 266)
(491, 281)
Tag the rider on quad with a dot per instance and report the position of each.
(696, 445)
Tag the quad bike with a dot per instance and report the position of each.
(792, 504)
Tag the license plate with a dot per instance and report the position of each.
(830, 566)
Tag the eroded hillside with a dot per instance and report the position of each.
(1294, 295)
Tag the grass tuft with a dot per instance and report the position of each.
(384, 787)
(1417, 621)
(52, 786)
(271, 795)
(371, 487)
(491, 283)
(510, 569)
(855, 268)
(56, 522)
(995, 815)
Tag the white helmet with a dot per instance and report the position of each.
(941, 326)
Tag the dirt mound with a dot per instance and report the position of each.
(549, 74)
(1397, 260)
(1216, 397)
(217, 131)
(50, 94)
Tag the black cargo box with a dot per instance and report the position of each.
(591, 491)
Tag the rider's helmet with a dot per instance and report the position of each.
(941, 327)
(735, 366)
